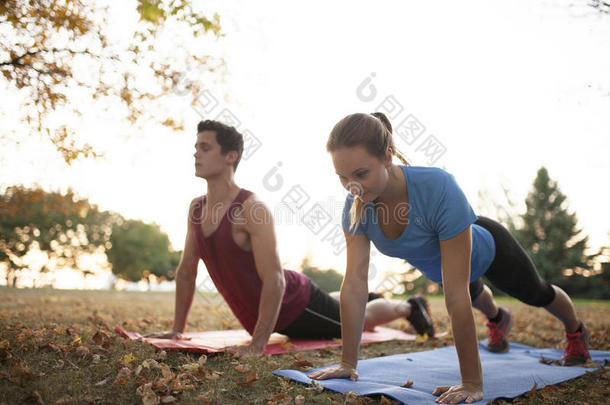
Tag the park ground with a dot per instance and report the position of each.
(59, 347)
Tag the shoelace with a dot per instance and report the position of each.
(495, 334)
(575, 346)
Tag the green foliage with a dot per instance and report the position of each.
(550, 236)
(328, 280)
(139, 249)
(61, 57)
(61, 225)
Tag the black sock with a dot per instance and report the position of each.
(498, 317)
(580, 328)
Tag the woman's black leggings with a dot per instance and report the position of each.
(512, 270)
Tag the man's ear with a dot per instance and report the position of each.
(231, 157)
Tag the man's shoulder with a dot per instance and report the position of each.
(196, 201)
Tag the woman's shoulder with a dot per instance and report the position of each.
(426, 176)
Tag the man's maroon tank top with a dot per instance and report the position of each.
(233, 271)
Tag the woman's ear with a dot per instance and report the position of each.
(388, 158)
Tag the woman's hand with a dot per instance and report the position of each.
(166, 335)
(247, 351)
(341, 371)
(458, 393)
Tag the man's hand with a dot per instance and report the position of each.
(248, 351)
(166, 335)
(341, 371)
(458, 393)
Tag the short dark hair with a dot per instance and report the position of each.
(227, 137)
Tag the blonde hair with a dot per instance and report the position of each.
(374, 132)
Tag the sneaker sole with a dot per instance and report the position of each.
(424, 310)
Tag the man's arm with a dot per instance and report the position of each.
(186, 273)
(260, 228)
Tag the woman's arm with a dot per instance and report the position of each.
(455, 263)
(354, 291)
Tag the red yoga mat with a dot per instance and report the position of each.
(218, 341)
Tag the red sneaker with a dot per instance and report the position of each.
(496, 338)
(576, 351)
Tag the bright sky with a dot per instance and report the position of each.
(505, 87)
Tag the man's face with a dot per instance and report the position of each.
(209, 160)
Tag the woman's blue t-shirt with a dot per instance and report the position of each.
(437, 210)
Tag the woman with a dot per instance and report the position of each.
(420, 214)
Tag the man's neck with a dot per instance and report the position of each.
(221, 190)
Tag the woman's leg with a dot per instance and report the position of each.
(513, 272)
(563, 309)
(485, 303)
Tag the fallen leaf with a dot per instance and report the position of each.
(151, 363)
(547, 361)
(287, 346)
(385, 401)
(407, 384)
(205, 398)
(212, 376)
(167, 399)
(534, 389)
(82, 351)
(351, 398)
(302, 364)
(242, 368)
(99, 336)
(35, 397)
(128, 358)
(124, 373)
(66, 399)
(249, 379)
(150, 399)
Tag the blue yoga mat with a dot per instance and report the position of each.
(505, 375)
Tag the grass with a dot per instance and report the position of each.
(58, 347)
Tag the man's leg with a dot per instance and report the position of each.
(382, 311)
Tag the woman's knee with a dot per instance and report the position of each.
(542, 297)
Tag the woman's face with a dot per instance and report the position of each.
(360, 173)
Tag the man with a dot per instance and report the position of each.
(233, 232)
